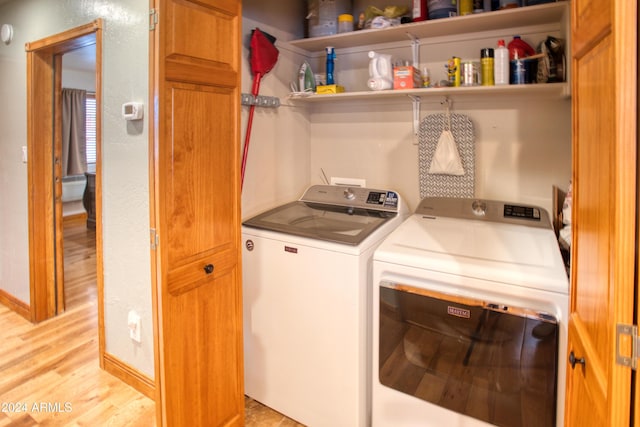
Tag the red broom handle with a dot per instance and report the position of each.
(245, 151)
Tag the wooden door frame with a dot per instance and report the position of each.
(43, 93)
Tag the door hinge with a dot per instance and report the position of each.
(153, 19)
(155, 239)
(632, 332)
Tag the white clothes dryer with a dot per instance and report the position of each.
(307, 268)
(470, 311)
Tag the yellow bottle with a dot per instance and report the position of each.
(486, 63)
(466, 7)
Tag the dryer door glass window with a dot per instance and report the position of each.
(488, 361)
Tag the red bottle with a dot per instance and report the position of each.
(519, 49)
(420, 10)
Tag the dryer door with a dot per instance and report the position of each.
(489, 361)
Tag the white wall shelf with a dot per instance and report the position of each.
(457, 26)
(547, 90)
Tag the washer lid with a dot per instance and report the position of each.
(340, 224)
(496, 251)
(333, 213)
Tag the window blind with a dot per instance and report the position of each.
(91, 128)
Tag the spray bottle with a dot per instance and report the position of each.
(331, 56)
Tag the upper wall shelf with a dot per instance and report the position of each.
(546, 90)
(460, 25)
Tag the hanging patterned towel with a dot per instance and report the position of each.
(429, 134)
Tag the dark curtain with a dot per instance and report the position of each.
(74, 140)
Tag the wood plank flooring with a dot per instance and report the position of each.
(49, 372)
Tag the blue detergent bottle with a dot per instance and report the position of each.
(331, 56)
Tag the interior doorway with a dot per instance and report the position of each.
(44, 169)
(77, 284)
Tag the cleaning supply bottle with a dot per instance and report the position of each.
(501, 64)
(331, 56)
(518, 50)
(419, 11)
(487, 65)
(380, 71)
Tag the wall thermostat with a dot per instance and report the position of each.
(133, 110)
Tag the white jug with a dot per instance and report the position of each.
(380, 71)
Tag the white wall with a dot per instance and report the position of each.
(521, 147)
(14, 243)
(127, 282)
(79, 75)
(277, 168)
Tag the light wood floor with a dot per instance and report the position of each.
(49, 372)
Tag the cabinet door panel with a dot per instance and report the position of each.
(196, 32)
(203, 385)
(199, 169)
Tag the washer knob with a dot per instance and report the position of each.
(349, 194)
(479, 208)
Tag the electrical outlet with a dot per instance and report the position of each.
(134, 326)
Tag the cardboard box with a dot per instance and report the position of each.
(406, 77)
(327, 89)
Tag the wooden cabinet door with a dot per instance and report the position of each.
(197, 212)
(604, 212)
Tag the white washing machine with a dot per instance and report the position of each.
(307, 267)
(470, 311)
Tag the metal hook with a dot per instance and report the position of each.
(447, 115)
(416, 113)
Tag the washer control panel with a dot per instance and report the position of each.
(356, 197)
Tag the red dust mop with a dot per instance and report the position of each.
(263, 56)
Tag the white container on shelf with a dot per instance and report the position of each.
(501, 64)
(345, 23)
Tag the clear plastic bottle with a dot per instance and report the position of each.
(345, 23)
(501, 64)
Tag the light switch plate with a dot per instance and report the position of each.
(134, 326)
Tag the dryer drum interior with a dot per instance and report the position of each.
(488, 361)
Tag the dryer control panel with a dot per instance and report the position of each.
(484, 210)
(524, 212)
